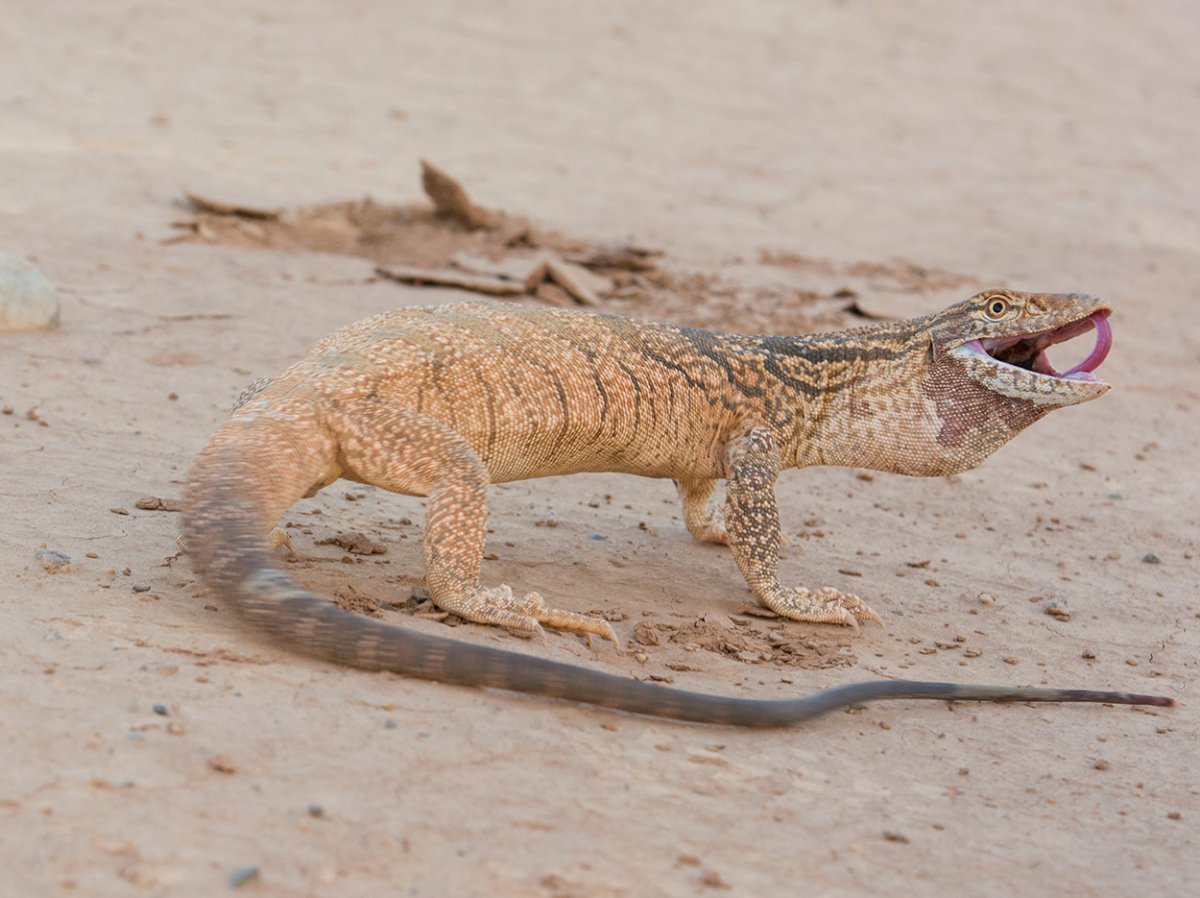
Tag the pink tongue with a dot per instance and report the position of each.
(1103, 345)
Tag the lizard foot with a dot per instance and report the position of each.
(499, 607)
(825, 606)
(711, 532)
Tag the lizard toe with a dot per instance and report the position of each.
(526, 614)
(573, 622)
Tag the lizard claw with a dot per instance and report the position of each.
(278, 537)
(606, 632)
(866, 614)
(851, 603)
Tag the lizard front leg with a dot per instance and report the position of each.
(752, 524)
(407, 452)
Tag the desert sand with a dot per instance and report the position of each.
(789, 160)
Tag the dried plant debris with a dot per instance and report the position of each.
(448, 277)
(414, 235)
(450, 200)
(453, 242)
(218, 208)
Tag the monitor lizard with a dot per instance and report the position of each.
(443, 401)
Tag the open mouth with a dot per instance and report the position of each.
(1028, 351)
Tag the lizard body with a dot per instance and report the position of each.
(443, 401)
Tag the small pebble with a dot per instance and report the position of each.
(1058, 608)
(1101, 764)
(222, 763)
(315, 810)
(52, 560)
(27, 300)
(985, 599)
(1088, 654)
(140, 587)
(895, 837)
(1151, 558)
(713, 880)
(242, 875)
(161, 710)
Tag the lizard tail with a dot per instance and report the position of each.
(253, 469)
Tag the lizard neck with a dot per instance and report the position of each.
(883, 398)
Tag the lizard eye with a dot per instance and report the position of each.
(996, 308)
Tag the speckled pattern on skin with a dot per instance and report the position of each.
(444, 401)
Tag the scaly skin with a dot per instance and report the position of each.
(441, 402)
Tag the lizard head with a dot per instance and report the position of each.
(999, 339)
(969, 379)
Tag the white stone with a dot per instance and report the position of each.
(27, 300)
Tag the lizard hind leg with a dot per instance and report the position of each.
(406, 452)
(704, 515)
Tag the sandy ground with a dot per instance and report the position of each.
(1039, 146)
